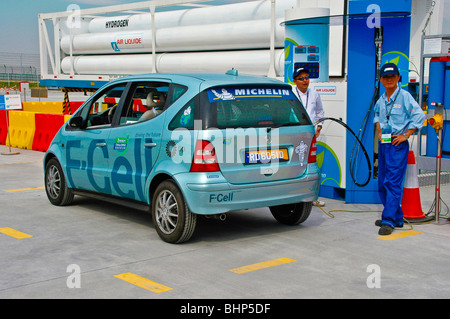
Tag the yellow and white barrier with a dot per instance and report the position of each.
(21, 129)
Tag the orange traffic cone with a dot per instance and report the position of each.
(411, 204)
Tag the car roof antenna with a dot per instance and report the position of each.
(233, 71)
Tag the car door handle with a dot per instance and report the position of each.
(101, 144)
(149, 144)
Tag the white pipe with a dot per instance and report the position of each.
(207, 31)
(253, 10)
(255, 62)
(220, 36)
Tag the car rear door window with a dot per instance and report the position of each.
(146, 101)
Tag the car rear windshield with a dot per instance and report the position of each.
(251, 106)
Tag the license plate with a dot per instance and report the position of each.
(266, 156)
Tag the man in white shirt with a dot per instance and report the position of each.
(309, 97)
(311, 101)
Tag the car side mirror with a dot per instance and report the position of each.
(76, 122)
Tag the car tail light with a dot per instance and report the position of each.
(312, 151)
(204, 159)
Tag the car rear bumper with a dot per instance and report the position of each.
(220, 196)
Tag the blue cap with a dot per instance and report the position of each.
(298, 71)
(389, 69)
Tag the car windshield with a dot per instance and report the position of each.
(261, 106)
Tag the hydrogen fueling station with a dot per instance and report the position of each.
(96, 249)
(342, 43)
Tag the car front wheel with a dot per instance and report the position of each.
(173, 220)
(291, 214)
(55, 184)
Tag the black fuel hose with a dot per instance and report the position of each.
(360, 143)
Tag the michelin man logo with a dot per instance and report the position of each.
(186, 117)
(224, 96)
(301, 151)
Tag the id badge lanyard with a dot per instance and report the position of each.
(386, 133)
(307, 97)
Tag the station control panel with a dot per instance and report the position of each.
(308, 57)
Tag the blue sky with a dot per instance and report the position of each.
(19, 20)
(19, 24)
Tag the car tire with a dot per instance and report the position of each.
(173, 220)
(56, 187)
(291, 214)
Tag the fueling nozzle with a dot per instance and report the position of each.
(437, 122)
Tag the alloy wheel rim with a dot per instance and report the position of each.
(53, 182)
(167, 212)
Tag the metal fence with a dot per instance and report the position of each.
(19, 67)
(14, 77)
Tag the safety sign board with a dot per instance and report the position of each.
(10, 102)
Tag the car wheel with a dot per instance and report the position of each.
(292, 214)
(173, 220)
(55, 184)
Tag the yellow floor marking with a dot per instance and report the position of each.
(143, 282)
(400, 234)
(14, 233)
(265, 264)
(24, 189)
(15, 163)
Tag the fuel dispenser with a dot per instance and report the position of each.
(378, 32)
(307, 34)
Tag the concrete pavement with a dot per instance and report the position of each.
(80, 251)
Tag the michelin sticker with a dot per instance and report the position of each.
(224, 96)
(231, 93)
(186, 117)
(301, 151)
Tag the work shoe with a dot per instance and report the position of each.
(378, 223)
(385, 230)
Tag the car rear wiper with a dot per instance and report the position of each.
(280, 125)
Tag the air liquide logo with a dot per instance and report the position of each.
(128, 41)
(115, 46)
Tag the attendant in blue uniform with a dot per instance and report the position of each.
(397, 117)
